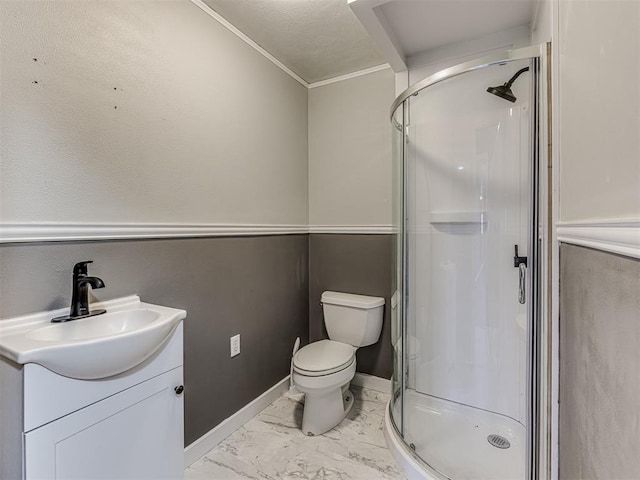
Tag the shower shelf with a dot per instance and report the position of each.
(459, 217)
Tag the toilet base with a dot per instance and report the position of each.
(324, 411)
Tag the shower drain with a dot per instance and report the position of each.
(498, 441)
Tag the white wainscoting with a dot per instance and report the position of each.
(354, 229)
(58, 232)
(614, 236)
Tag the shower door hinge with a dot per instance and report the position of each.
(518, 260)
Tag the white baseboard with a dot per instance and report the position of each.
(372, 383)
(213, 437)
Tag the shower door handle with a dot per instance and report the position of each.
(521, 264)
(522, 283)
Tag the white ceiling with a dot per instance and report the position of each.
(423, 25)
(321, 39)
(316, 39)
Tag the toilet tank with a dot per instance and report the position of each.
(352, 319)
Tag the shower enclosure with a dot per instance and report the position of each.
(467, 256)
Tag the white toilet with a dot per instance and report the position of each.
(322, 370)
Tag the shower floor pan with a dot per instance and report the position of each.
(453, 439)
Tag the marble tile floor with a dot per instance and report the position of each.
(271, 446)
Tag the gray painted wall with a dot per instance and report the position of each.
(99, 130)
(254, 286)
(109, 106)
(353, 264)
(144, 111)
(590, 188)
(350, 151)
(599, 431)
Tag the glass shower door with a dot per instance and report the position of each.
(397, 267)
(467, 206)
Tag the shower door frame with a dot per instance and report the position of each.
(539, 408)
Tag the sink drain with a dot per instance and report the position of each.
(498, 441)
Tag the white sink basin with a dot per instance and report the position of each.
(93, 347)
(110, 323)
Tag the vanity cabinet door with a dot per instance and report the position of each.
(134, 434)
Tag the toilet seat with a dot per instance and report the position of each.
(323, 358)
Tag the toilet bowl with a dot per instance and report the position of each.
(324, 369)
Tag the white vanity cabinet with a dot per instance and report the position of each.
(128, 426)
(136, 433)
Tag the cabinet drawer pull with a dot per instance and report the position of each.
(179, 389)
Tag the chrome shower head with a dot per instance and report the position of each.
(504, 91)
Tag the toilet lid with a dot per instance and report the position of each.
(324, 356)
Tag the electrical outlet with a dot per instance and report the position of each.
(235, 345)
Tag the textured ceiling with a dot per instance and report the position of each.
(321, 39)
(317, 39)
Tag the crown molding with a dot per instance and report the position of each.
(226, 24)
(349, 76)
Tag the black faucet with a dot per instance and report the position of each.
(80, 294)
